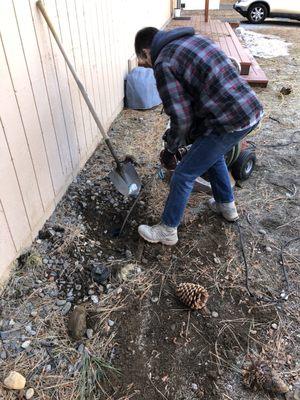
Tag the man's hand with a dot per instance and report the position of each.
(168, 160)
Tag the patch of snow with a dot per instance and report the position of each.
(264, 46)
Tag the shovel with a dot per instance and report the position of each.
(124, 177)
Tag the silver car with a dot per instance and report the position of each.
(258, 11)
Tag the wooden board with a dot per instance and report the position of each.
(256, 76)
(224, 36)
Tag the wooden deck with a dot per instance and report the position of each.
(225, 37)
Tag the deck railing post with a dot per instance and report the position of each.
(206, 10)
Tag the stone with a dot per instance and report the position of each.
(126, 272)
(81, 348)
(154, 299)
(13, 334)
(95, 299)
(274, 326)
(194, 386)
(48, 368)
(29, 394)
(100, 273)
(217, 260)
(66, 308)
(61, 302)
(15, 381)
(33, 313)
(26, 344)
(262, 232)
(297, 394)
(77, 323)
(3, 355)
(268, 249)
(214, 314)
(110, 322)
(128, 254)
(89, 333)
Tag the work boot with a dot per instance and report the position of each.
(159, 234)
(227, 210)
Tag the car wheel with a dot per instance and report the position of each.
(244, 165)
(257, 13)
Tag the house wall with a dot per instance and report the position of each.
(46, 130)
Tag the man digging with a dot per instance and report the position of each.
(209, 105)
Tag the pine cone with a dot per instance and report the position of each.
(193, 295)
(260, 374)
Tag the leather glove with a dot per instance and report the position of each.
(167, 159)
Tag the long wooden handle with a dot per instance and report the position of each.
(41, 7)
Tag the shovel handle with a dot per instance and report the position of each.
(41, 7)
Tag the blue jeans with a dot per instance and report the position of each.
(205, 155)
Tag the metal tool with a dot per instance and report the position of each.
(124, 176)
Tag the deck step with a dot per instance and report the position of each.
(224, 36)
(256, 76)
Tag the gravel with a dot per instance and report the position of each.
(66, 308)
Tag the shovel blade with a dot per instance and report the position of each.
(126, 180)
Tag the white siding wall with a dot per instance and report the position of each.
(46, 131)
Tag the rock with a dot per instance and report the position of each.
(119, 290)
(110, 322)
(81, 348)
(268, 249)
(217, 260)
(26, 344)
(100, 273)
(297, 391)
(29, 394)
(286, 90)
(95, 299)
(214, 314)
(66, 308)
(262, 232)
(48, 368)
(61, 302)
(33, 313)
(125, 272)
(274, 326)
(3, 355)
(89, 333)
(194, 386)
(15, 381)
(77, 323)
(154, 299)
(29, 330)
(128, 254)
(13, 334)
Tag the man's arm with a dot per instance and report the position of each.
(177, 105)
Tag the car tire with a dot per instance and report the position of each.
(243, 167)
(257, 13)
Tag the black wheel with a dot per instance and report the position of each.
(244, 165)
(257, 13)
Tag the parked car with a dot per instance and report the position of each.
(258, 11)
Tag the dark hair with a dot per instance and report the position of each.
(143, 39)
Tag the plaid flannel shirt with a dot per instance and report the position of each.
(202, 91)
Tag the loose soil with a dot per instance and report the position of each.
(162, 349)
